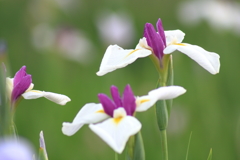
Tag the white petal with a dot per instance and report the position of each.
(174, 35)
(116, 134)
(116, 57)
(9, 86)
(30, 87)
(169, 49)
(208, 60)
(32, 94)
(162, 93)
(57, 98)
(89, 113)
(143, 44)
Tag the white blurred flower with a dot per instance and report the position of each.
(219, 14)
(68, 5)
(69, 42)
(43, 36)
(74, 45)
(12, 149)
(115, 27)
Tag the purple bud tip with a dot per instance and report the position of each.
(116, 96)
(107, 104)
(21, 83)
(156, 40)
(129, 101)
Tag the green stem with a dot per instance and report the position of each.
(163, 135)
(116, 156)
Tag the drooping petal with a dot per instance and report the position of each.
(116, 131)
(116, 57)
(154, 40)
(116, 96)
(55, 97)
(129, 101)
(107, 104)
(89, 113)
(208, 60)
(161, 31)
(174, 36)
(162, 93)
(19, 75)
(21, 87)
(32, 94)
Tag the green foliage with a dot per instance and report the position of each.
(135, 149)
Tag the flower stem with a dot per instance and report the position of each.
(116, 156)
(163, 135)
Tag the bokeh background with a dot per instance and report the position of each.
(62, 43)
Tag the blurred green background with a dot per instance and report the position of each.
(62, 44)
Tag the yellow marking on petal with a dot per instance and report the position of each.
(117, 120)
(100, 111)
(180, 44)
(34, 91)
(131, 52)
(144, 100)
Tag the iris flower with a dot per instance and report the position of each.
(158, 44)
(113, 120)
(21, 86)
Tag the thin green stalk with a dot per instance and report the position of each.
(116, 156)
(163, 135)
(188, 145)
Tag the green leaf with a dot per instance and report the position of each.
(135, 149)
(210, 155)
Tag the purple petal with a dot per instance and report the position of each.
(21, 87)
(116, 96)
(154, 40)
(129, 101)
(19, 75)
(161, 31)
(107, 104)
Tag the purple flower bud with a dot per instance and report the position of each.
(156, 40)
(21, 83)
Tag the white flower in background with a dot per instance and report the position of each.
(21, 86)
(221, 15)
(67, 41)
(113, 120)
(74, 45)
(114, 27)
(43, 36)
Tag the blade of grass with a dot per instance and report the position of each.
(210, 155)
(188, 145)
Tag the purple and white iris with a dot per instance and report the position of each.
(113, 120)
(21, 86)
(158, 44)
